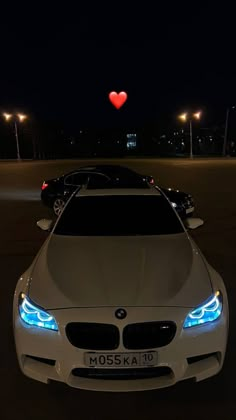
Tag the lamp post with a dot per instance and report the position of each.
(21, 118)
(226, 129)
(185, 117)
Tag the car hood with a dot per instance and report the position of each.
(119, 271)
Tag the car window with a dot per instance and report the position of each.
(68, 180)
(118, 215)
(116, 180)
(123, 174)
(97, 181)
(80, 178)
(76, 179)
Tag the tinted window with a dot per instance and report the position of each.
(80, 178)
(97, 181)
(123, 174)
(69, 180)
(76, 179)
(118, 215)
(117, 178)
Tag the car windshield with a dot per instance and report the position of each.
(118, 215)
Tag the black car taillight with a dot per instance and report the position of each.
(45, 185)
(150, 180)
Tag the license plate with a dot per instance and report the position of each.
(118, 360)
(190, 210)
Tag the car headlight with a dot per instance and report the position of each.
(207, 312)
(33, 315)
(174, 205)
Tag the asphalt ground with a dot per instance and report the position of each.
(212, 183)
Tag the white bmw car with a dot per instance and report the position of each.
(120, 298)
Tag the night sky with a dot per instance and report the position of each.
(61, 64)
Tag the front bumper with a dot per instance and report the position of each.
(65, 363)
(185, 212)
(186, 208)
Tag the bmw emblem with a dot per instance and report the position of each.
(120, 313)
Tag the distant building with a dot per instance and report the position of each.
(131, 141)
(206, 141)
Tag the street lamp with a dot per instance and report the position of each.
(226, 129)
(21, 117)
(185, 117)
(197, 115)
(15, 117)
(7, 116)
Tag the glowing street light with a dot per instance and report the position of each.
(185, 117)
(21, 118)
(197, 115)
(7, 116)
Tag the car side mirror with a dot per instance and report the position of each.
(193, 222)
(45, 224)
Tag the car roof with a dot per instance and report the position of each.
(106, 169)
(117, 191)
(111, 168)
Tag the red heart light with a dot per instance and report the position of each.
(118, 99)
